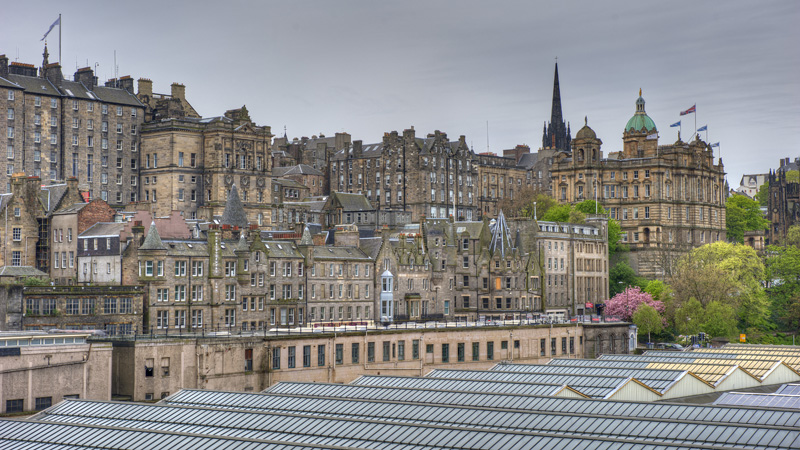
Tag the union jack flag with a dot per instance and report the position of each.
(691, 110)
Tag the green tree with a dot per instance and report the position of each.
(621, 276)
(720, 320)
(648, 320)
(762, 196)
(558, 213)
(689, 317)
(792, 236)
(743, 214)
(730, 274)
(543, 203)
(783, 275)
(590, 207)
(793, 176)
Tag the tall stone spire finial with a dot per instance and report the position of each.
(45, 56)
(555, 134)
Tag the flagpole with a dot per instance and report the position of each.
(695, 107)
(59, 39)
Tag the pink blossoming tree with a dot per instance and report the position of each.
(625, 303)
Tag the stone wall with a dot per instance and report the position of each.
(147, 369)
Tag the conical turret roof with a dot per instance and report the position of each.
(234, 214)
(153, 240)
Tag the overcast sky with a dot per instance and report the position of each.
(368, 67)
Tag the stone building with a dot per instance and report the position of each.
(783, 209)
(190, 165)
(340, 278)
(41, 369)
(315, 152)
(750, 183)
(429, 177)
(99, 251)
(499, 178)
(164, 106)
(66, 224)
(149, 369)
(25, 238)
(311, 178)
(574, 265)
(59, 128)
(667, 198)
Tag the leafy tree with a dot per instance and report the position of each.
(648, 320)
(762, 196)
(720, 320)
(743, 214)
(783, 275)
(614, 236)
(793, 176)
(624, 304)
(730, 274)
(620, 276)
(659, 290)
(558, 213)
(689, 317)
(590, 207)
(793, 236)
(518, 206)
(543, 204)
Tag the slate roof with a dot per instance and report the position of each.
(282, 249)
(70, 209)
(286, 182)
(152, 241)
(300, 169)
(528, 160)
(104, 229)
(501, 237)
(339, 253)
(116, 95)
(370, 246)
(8, 84)
(51, 196)
(234, 214)
(34, 85)
(352, 202)
(21, 271)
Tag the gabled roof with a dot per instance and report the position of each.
(350, 202)
(152, 241)
(282, 249)
(34, 85)
(116, 95)
(51, 196)
(501, 237)
(340, 253)
(103, 229)
(70, 209)
(300, 169)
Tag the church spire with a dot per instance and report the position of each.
(556, 133)
(555, 114)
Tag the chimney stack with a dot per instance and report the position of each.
(178, 91)
(86, 76)
(145, 87)
(126, 83)
(3, 66)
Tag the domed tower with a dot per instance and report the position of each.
(640, 138)
(586, 147)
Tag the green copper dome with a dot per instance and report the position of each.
(640, 120)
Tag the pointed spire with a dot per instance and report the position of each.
(555, 113)
(153, 240)
(45, 55)
(234, 214)
(556, 133)
(501, 237)
(306, 238)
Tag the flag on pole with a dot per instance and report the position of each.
(691, 110)
(57, 22)
(652, 136)
(676, 124)
(703, 128)
(716, 144)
